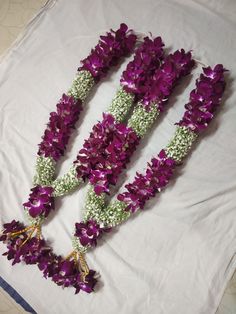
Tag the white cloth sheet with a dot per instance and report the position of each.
(178, 255)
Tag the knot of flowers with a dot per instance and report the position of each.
(157, 176)
(40, 201)
(105, 153)
(66, 273)
(59, 128)
(204, 99)
(21, 248)
(108, 51)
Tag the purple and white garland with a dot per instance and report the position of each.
(149, 79)
(200, 110)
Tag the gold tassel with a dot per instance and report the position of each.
(80, 262)
(21, 231)
(83, 265)
(32, 230)
(70, 255)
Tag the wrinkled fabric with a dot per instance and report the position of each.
(178, 255)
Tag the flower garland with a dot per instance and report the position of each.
(149, 80)
(200, 110)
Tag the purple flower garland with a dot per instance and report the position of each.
(204, 100)
(117, 142)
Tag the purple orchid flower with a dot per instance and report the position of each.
(40, 202)
(88, 232)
